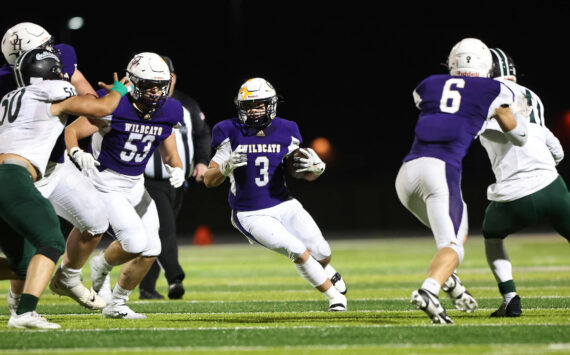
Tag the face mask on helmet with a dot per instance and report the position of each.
(151, 79)
(256, 103)
(503, 65)
(37, 65)
(470, 57)
(23, 37)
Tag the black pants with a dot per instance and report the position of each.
(168, 202)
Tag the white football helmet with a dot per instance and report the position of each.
(147, 70)
(470, 57)
(23, 37)
(252, 94)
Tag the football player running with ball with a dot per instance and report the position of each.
(454, 109)
(252, 150)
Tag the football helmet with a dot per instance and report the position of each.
(24, 37)
(148, 70)
(251, 95)
(503, 65)
(37, 65)
(470, 57)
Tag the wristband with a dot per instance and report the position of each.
(120, 88)
(73, 151)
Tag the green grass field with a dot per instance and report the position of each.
(247, 300)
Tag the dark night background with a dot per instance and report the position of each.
(346, 71)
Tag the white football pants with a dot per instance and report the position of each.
(132, 212)
(74, 198)
(431, 190)
(287, 229)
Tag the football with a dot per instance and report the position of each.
(289, 164)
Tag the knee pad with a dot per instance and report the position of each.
(50, 252)
(321, 251)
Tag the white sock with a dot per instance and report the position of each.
(498, 260)
(509, 296)
(312, 271)
(102, 263)
(14, 294)
(332, 293)
(71, 277)
(120, 294)
(431, 285)
(330, 271)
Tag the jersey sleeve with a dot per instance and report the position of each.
(53, 90)
(506, 96)
(219, 134)
(296, 139)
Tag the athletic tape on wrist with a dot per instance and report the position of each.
(120, 88)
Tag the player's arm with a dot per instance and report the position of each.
(82, 86)
(172, 162)
(87, 106)
(81, 128)
(169, 152)
(224, 162)
(515, 130)
(213, 176)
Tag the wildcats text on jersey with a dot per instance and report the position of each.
(144, 129)
(259, 148)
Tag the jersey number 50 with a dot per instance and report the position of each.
(451, 98)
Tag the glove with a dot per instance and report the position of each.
(176, 176)
(235, 160)
(311, 163)
(84, 160)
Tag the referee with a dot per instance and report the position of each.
(193, 142)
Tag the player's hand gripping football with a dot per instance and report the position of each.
(235, 160)
(311, 163)
(84, 160)
(176, 176)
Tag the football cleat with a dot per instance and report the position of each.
(176, 290)
(13, 302)
(150, 295)
(338, 304)
(512, 309)
(338, 283)
(88, 298)
(462, 299)
(30, 320)
(121, 310)
(429, 303)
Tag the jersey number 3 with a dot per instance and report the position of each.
(451, 97)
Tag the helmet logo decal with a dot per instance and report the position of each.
(136, 61)
(16, 42)
(468, 59)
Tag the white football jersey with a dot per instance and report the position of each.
(27, 128)
(520, 171)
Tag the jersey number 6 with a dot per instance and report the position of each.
(450, 98)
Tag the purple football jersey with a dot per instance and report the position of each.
(68, 58)
(261, 183)
(452, 113)
(131, 141)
